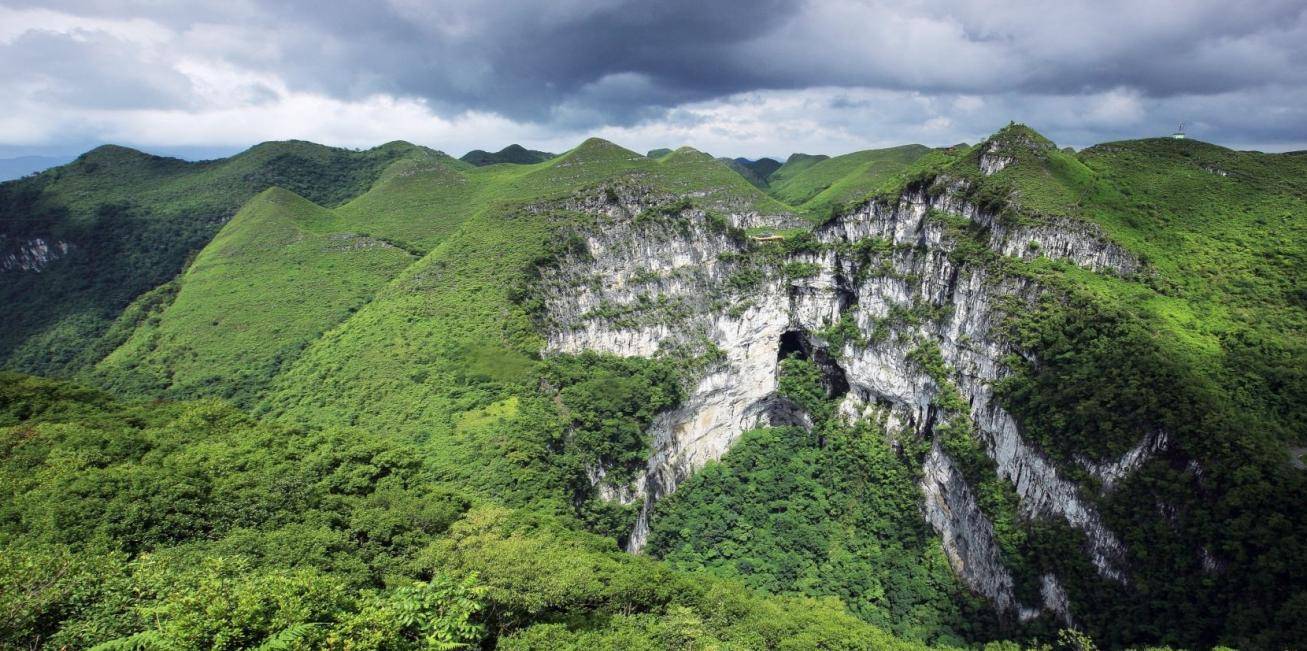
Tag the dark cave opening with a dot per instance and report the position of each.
(832, 374)
(793, 344)
(797, 344)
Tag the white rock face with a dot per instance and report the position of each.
(32, 254)
(1109, 473)
(992, 164)
(643, 285)
(967, 534)
(1055, 599)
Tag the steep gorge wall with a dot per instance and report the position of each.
(646, 283)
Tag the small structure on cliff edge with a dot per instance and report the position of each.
(1179, 132)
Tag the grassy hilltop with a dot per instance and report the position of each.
(818, 183)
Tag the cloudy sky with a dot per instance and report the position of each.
(739, 77)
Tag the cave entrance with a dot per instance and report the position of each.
(793, 344)
(797, 344)
(832, 374)
(783, 411)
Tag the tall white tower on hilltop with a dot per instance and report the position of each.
(1179, 132)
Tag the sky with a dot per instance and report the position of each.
(732, 77)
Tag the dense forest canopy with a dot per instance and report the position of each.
(307, 397)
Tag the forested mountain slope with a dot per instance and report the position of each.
(968, 394)
(820, 183)
(122, 222)
(190, 525)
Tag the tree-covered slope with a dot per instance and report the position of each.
(190, 525)
(273, 280)
(116, 223)
(1203, 344)
(827, 512)
(816, 183)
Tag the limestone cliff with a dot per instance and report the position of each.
(649, 278)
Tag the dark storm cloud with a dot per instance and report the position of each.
(542, 60)
(1107, 67)
(618, 59)
(526, 59)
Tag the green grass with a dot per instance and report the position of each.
(268, 284)
(817, 185)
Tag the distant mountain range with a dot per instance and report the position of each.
(15, 168)
(516, 154)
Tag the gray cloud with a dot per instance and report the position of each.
(1083, 71)
(91, 70)
(525, 59)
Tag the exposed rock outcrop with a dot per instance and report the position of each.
(644, 284)
(32, 254)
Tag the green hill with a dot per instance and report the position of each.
(797, 163)
(130, 220)
(816, 183)
(273, 279)
(763, 167)
(515, 154)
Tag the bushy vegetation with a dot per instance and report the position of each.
(608, 404)
(830, 512)
(1218, 493)
(192, 526)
